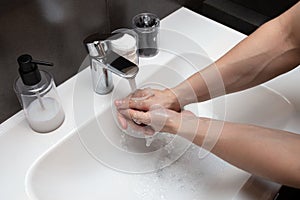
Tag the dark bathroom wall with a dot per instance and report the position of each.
(271, 8)
(245, 15)
(49, 30)
(121, 12)
(195, 5)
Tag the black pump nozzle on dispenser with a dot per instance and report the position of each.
(28, 69)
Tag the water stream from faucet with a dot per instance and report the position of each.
(132, 84)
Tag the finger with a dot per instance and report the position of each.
(137, 100)
(139, 130)
(125, 113)
(138, 117)
(131, 103)
(122, 121)
(142, 94)
(138, 104)
(122, 103)
(148, 130)
(138, 93)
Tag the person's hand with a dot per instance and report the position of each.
(144, 99)
(158, 119)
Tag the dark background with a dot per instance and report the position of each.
(53, 30)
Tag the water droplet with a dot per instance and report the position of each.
(149, 140)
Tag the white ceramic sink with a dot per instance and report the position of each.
(98, 161)
(85, 158)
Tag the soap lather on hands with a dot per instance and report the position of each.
(150, 110)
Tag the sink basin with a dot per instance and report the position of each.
(98, 161)
(88, 157)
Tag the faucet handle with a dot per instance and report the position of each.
(97, 44)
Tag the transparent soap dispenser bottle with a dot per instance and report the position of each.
(38, 97)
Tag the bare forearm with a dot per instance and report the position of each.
(269, 153)
(271, 50)
(262, 56)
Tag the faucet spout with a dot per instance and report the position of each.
(119, 65)
(104, 61)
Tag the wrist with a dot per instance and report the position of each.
(191, 128)
(184, 94)
(173, 103)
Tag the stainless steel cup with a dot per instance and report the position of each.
(146, 25)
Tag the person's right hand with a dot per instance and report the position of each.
(159, 119)
(144, 99)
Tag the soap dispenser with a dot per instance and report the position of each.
(37, 94)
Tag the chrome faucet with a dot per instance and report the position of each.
(104, 60)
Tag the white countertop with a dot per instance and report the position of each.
(20, 146)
